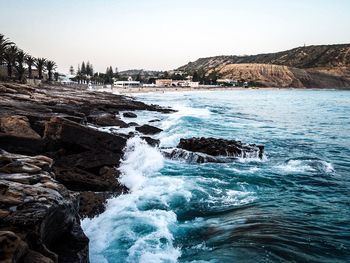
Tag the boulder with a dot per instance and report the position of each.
(106, 119)
(38, 213)
(129, 115)
(133, 124)
(151, 141)
(73, 135)
(17, 126)
(93, 203)
(221, 147)
(148, 129)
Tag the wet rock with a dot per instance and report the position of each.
(93, 203)
(148, 129)
(18, 126)
(221, 147)
(106, 119)
(38, 213)
(69, 133)
(129, 115)
(154, 120)
(151, 141)
(133, 124)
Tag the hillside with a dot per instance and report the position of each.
(282, 76)
(311, 66)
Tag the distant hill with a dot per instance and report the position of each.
(312, 66)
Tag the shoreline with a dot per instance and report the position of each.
(142, 90)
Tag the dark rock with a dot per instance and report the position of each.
(221, 147)
(129, 115)
(151, 141)
(68, 132)
(76, 179)
(133, 124)
(148, 129)
(93, 203)
(106, 119)
(155, 120)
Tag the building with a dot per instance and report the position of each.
(164, 82)
(127, 84)
(228, 82)
(176, 83)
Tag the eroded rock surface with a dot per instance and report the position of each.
(37, 213)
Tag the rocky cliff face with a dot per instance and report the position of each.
(313, 66)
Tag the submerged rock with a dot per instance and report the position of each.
(129, 115)
(148, 129)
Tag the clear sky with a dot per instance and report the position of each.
(165, 34)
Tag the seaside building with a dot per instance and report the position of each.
(164, 82)
(127, 84)
(176, 83)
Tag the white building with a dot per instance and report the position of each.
(127, 84)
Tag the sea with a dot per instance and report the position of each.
(293, 205)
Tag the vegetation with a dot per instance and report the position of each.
(19, 65)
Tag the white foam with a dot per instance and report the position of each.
(125, 214)
(294, 166)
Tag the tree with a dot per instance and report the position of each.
(56, 75)
(19, 61)
(4, 44)
(40, 65)
(71, 70)
(30, 62)
(50, 66)
(195, 76)
(83, 68)
(10, 57)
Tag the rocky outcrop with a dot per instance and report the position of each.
(199, 150)
(72, 174)
(39, 219)
(148, 129)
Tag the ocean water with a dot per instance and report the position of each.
(291, 206)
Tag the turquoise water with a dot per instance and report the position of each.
(292, 206)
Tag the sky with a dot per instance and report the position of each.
(166, 34)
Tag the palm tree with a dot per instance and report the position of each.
(40, 65)
(4, 44)
(19, 61)
(30, 62)
(10, 57)
(50, 66)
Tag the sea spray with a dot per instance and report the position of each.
(136, 226)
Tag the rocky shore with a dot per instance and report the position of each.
(56, 167)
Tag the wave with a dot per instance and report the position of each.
(139, 222)
(307, 165)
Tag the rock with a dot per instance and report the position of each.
(107, 119)
(151, 141)
(93, 203)
(221, 147)
(191, 157)
(42, 215)
(133, 124)
(154, 120)
(12, 247)
(76, 179)
(78, 137)
(17, 126)
(129, 115)
(148, 129)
